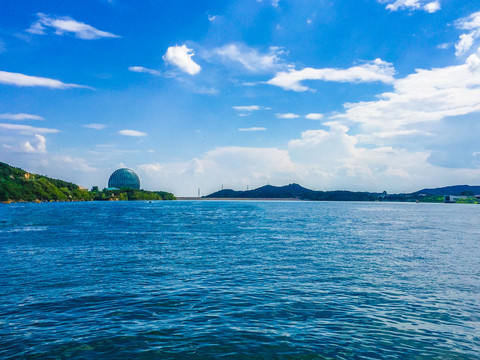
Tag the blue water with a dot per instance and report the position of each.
(239, 280)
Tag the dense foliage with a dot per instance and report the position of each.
(130, 194)
(18, 185)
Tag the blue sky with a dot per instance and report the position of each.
(366, 95)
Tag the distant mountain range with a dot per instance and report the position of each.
(299, 192)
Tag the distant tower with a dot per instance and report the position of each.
(198, 192)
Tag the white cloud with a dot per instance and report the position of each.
(95, 126)
(66, 24)
(314, 116)
(424, 96)
(39, 146)
(132, 133)
(18, 79)
(141, 69)
(464, 44)
(395, 5)
(181, 56)
(274, 3)
(151, 168)
(212, 17)
(203, 90)
(432, 7)
(287, 116)
(253, 129)
(27, 129)
(376, 70)
(472, 24)
(72, 163)
(20, 116)
(246, 108)
(251, 59)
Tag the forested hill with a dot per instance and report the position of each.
(294, 191)
(19, 185)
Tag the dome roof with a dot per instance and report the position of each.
(124, 178)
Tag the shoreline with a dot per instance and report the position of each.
(239, 199)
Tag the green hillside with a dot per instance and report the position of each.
(18, 185)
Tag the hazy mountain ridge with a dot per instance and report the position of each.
(293, 191)
(299, 192)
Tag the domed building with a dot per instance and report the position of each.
(124, 178)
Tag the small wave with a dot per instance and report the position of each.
(28, 228)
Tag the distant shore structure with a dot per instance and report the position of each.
(124, 178)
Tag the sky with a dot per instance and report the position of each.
(361, 95)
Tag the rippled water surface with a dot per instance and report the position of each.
(236, 280)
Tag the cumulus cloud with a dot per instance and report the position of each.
(249, 58)
(141, 69)
(39, 146)
(326, 159)
(27, 129)
(232, 166)
(63, 25)
(314, 116)
(134, 133)
(181, 56)
(428, 6)
(253, 129)
(472, 25)
(18, 79)
(287, 116)
(373, 71)
(95, 126)
(20, 116)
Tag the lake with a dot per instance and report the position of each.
(239, 279)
